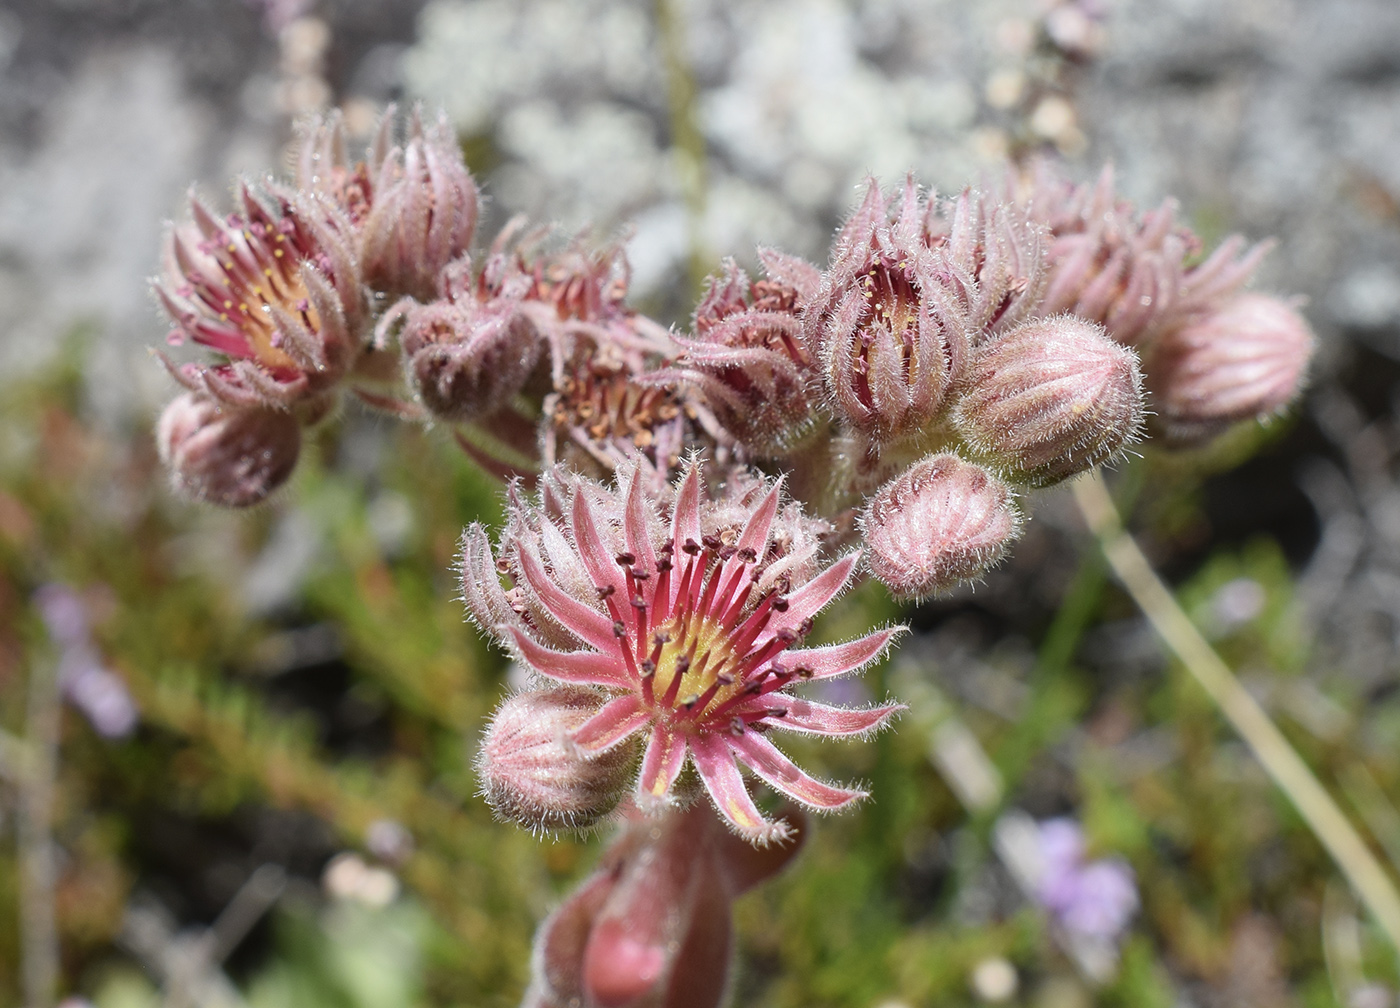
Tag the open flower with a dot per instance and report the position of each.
(275, 289)
(689, 620)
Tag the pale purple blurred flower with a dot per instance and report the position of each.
(87, 684)
(1094, 898)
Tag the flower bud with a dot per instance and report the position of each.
(748, 357)
(890, 323)
(1049, 399)
(226, 455)
(532, 775)
(464, 363)
(1243, 360)
(423, 215)
(652, 926)
(942, 521)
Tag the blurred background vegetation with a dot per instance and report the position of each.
(292, 820)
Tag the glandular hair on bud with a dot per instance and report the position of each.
(1049, 399)
(532, 775)
(942, 521)
(227, 455)
(1245, 359)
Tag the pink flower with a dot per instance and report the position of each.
(688, 619)
(531, 775)
(1000, 249)
(1050, 399)
(275, 289)
(226, 455)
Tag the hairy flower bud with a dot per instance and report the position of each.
(940, 522)
(1049, 399)
(1111, 264)
(464, 360)
(423, 214)
(1001, 249)
(890, 325)
(1245, 359)
(748, 358)
(651, 928)
(226, 455)
(530, 772)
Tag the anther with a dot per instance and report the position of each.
(748, 554)
(780, 604)
(648, 667)
(604, 591)
(711, 542)
(691, 547)
(626, 559)
(618, 629)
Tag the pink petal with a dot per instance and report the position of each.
(781, 773)
(812, 597)
(755, 535)
(661, 765)
(585, 622)
(635, 525)
(587, 668)
(717, 769)
(618, 719)
(597, 558)
(842, 659)
(685, 521)
(823, 719)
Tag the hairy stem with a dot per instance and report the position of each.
(1282, 763)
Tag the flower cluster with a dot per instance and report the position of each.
(954, 354)
(654, 576)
